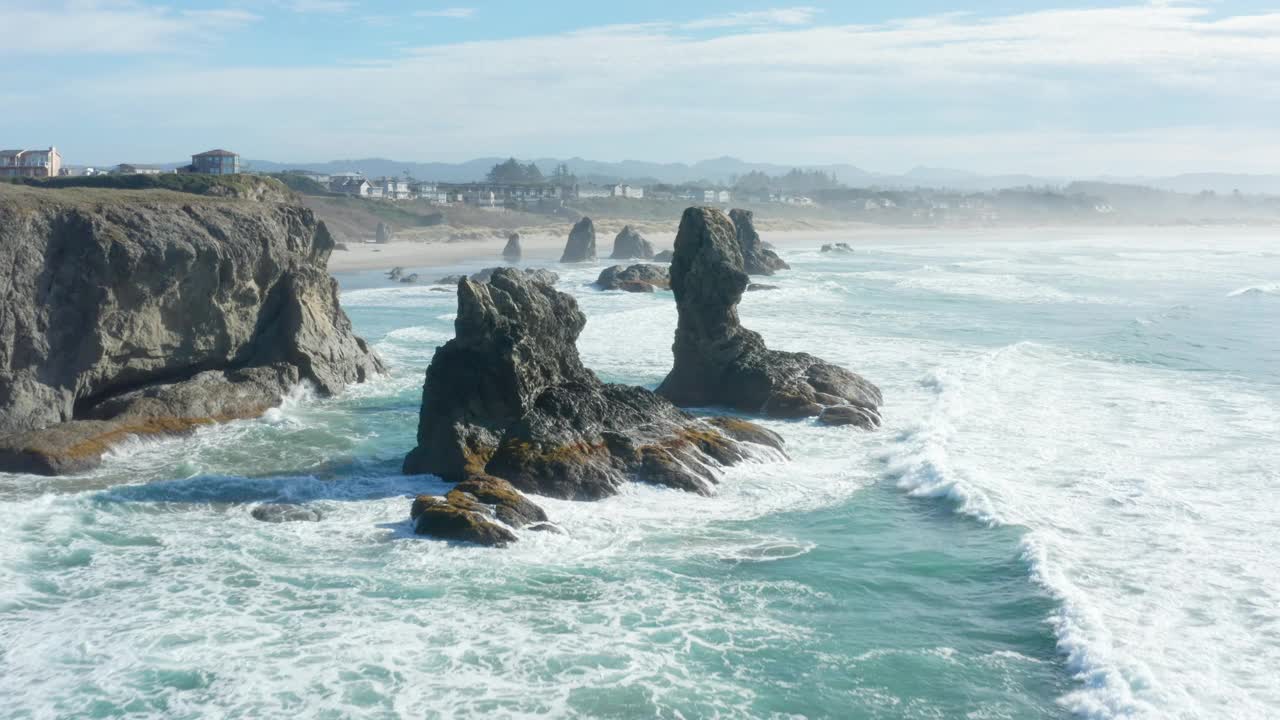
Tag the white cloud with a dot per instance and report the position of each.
(124, 27)
(1031, 91)
(457, 13)
(793, 16)
(328, 7)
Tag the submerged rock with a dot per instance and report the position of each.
(719, 362)
(757, 287)
(665, 256)
(451, 279)
(512, 252)
(395, 273)
(757, 259)
(582, 243)
(410, 278)
(509, 397)
(283, 513)
(630, 244)
(637, 278)
(839, 248)
(150, 313)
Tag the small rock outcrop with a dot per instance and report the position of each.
(283, 513)
(630, 244)
(665, 256)
(481, 510)
(508, 397)
(395, 273)
(582, 243)
(512, 252)
(383, 234)
(150, 313)
(757, 259)
(410, 278)
(839, 248)
(757, 287)
(637, 278)
(719, 362)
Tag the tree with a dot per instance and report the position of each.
(562, 177)
(511, 172)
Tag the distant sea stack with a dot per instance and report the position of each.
(756, 258)
(719, 362)
(152, 312)
(582, 243)
(509, 398)
(637, 278)
(630, 244)
(512, 252)
(383, 234)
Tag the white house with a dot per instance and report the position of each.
(593, 191)
(627, 191)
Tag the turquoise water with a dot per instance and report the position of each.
(1070, 513)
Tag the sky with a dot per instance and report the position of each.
(1051, 88)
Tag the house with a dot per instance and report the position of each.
(724, 196)
(350, 185)
(626, 191)
(708, 196)
(127, 169)
(216, 162)
(584, 192)
(30, 163)
(395, 188)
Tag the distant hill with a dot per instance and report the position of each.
(722, 171)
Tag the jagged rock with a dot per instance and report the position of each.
(383, 234)
(630, 244)
(481, 509)
(719, 362)
(842, 248)
(757, 287)
(665, 256)
(536, 274)
(395, 273)
(512, 252)
(756, 258)
(637, 278)
(283, 513)
(118, 300)
(850, 415)
(582, 243)
(509, 397)
(410, 278)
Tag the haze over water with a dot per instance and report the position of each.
(1069, 512)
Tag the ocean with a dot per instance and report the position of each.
(1071, 511)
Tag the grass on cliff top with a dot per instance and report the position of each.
(227, 186)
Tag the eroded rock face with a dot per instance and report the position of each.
(582, 243)
(150, 312)
(536, 274)
(757, 259)
(637, 278)
(631, 244)
(719, 362)
(509, 397)
(512, 252)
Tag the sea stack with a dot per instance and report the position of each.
(512, 252)
(582, 243)
(630, 244)
(383, 234)
(756, 258)
(720, 363)
(509, 398)
(131, 313)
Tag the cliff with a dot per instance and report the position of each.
(166, 309)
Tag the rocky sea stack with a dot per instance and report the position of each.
(512, 252)
(582, 243)
(509, 398)
(630, 244)
(756, 258)
(637, 278)
(153, 312)
(719, 362)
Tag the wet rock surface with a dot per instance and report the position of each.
(509, 398)
(720, 363)
(757, 287)
(283, 513)
(482, 510)
(838, 248)
(637, 278)
(153, 313)
(757, 257)
(582, 243)
(630, 244)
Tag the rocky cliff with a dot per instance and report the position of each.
(719, 362)
(126, 312)
(509, 398)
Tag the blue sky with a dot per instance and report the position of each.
(1060, 88)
